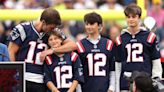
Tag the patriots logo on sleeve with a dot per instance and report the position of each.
(80, 70)
(157, 46)
(14, 35)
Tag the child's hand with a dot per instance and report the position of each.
(45, 53)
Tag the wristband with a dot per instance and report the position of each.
(53, 49)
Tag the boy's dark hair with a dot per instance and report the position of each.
(56, 33)
(51, 16)
(92, 18)
(133, 9)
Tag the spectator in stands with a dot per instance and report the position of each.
(114, 32)
(142, 83)
(112, 5)
(157, 13)
(4, 55)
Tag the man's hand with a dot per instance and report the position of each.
(45, 53)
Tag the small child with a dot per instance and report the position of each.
(63, 72)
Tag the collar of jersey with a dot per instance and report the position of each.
(39, 34)
(140, 29)
(94, 41)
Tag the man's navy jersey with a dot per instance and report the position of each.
(97, 61)
(63, 70)
(136, 53)
(31, 44)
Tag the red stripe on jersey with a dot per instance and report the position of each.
(73, 56)
(109, 45)
(118, 40)
(80, 47)
(162, 59)
(162, 55)
(151, 37)
(48, 60)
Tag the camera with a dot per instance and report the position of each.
(158, 84)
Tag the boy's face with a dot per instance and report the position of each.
(134, 87)
(54, 41)
(132, 20)
(91, 28)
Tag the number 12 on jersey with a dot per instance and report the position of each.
(134, 52)
(95, 61)
(31, 53)
(62, 76)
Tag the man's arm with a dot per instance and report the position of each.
(13, 49)
(156, 68)
(117, 76)
(112, 82)
(68, 46)
(155, 56)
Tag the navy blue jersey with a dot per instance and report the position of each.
(97, 61)
(63, 70)
(31, 44)
(136, 53)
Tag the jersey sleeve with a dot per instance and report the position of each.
(80, 47)
(47, 70)
(152, 41)
(112, 59)
(155, 54)
(77, 68)
(110, 47)
(18, 34)
(47, 74)
(117, 49)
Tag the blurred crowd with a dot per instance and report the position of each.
(75, 29)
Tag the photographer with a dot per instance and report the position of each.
(141, 81)
(142, 84)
